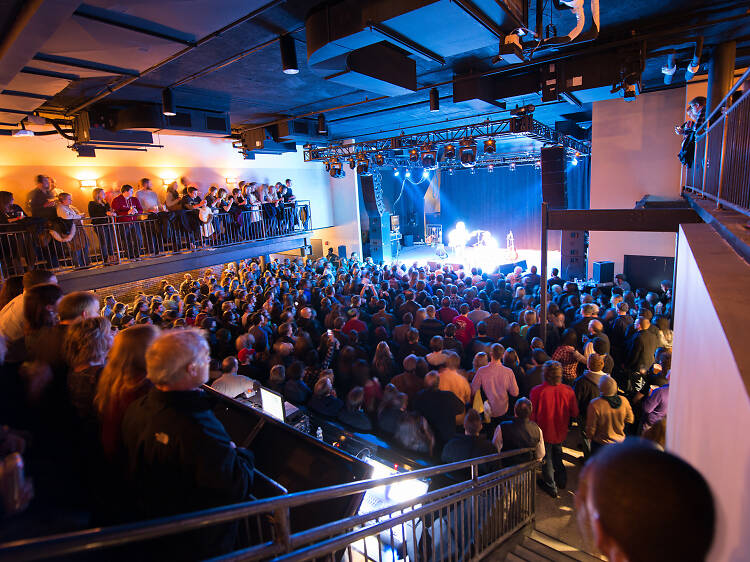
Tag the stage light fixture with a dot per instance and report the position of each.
(408, 174)
(512, 166)
(328, 166)
(489, 146)
(322, 127)
(379, 159)
(490, 168)
(537, 164)
(450, 171)
(434, 100)
(428, 155)
(574, 161)
(288, 54)
(425, 173)
(22, 132)
(413, 155)
(449, 151)
(472, 171)
(352, 163)
(363, 165)
(336, 168)
(468, 153)
(395, 172)
(168, 106)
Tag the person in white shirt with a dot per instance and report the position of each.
(12, 322)
(230, 383)
(72, 231)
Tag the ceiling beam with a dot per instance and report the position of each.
(621, 220)
(138, 25)
(25, 95)
(87, 64)
(49, 73)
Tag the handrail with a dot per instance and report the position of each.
(97, 538)
(719, 106)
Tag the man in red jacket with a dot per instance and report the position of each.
(128, 208)
(554, 405)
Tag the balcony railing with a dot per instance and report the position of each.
(462, 521)
(721, 170)
(33, 242)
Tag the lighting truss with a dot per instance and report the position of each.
(395, 147)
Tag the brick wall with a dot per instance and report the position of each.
(126, 292)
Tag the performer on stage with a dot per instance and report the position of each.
(457, 239)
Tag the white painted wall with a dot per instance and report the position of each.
(709, 409)
(203, 160)
(634, 153)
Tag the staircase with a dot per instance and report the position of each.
(538, 547)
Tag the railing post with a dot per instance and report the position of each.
(475, 507)
(117, 240)
(721, 161)
(282, 527)
(705, 161)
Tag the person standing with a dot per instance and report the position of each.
(180, 457)
(100, 211)
(158, 222)
(607, 415)
(498, 383)
(127, 208)
(554, 405)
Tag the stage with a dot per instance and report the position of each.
(489, 260)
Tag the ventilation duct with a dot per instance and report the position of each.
(372, 45)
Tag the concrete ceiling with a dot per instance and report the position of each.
(78, 52)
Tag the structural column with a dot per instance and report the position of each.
(720, 73)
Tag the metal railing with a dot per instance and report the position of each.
(462, 521)
(58, 246)
(721, 169)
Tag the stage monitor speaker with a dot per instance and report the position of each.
(372, 195)
(554, 188)
(342, 251)
(408, 239)
(507, 268)
(604, 271)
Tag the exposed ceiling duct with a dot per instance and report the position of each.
(371, 45)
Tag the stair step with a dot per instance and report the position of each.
(513, 558)
(530, 555)
(567, 552)
(544, 551)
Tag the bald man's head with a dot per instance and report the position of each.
(638, 503)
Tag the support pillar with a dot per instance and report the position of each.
(720, 73)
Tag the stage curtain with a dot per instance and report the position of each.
(506, 200)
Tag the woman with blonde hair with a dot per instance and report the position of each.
(123, 380)
(383, 365)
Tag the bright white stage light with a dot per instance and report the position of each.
(425, 173)
(395, 172)
(408, 174)
(574, 161)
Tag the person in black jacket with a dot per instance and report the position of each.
(471, 444)
(439, 408)
(180, 457)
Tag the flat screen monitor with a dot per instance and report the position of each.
(272, 403)
(394, 223)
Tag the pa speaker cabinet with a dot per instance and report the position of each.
(604, 271)
(554, 187)
(342, 251)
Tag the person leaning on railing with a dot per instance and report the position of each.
(127, 208)
(100, 213)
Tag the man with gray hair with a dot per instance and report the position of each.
(180, 457)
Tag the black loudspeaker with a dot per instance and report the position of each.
(372, 195)
(380, 238)
(604, 271)
(554, 189)
(342, 251)
(573, 255)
